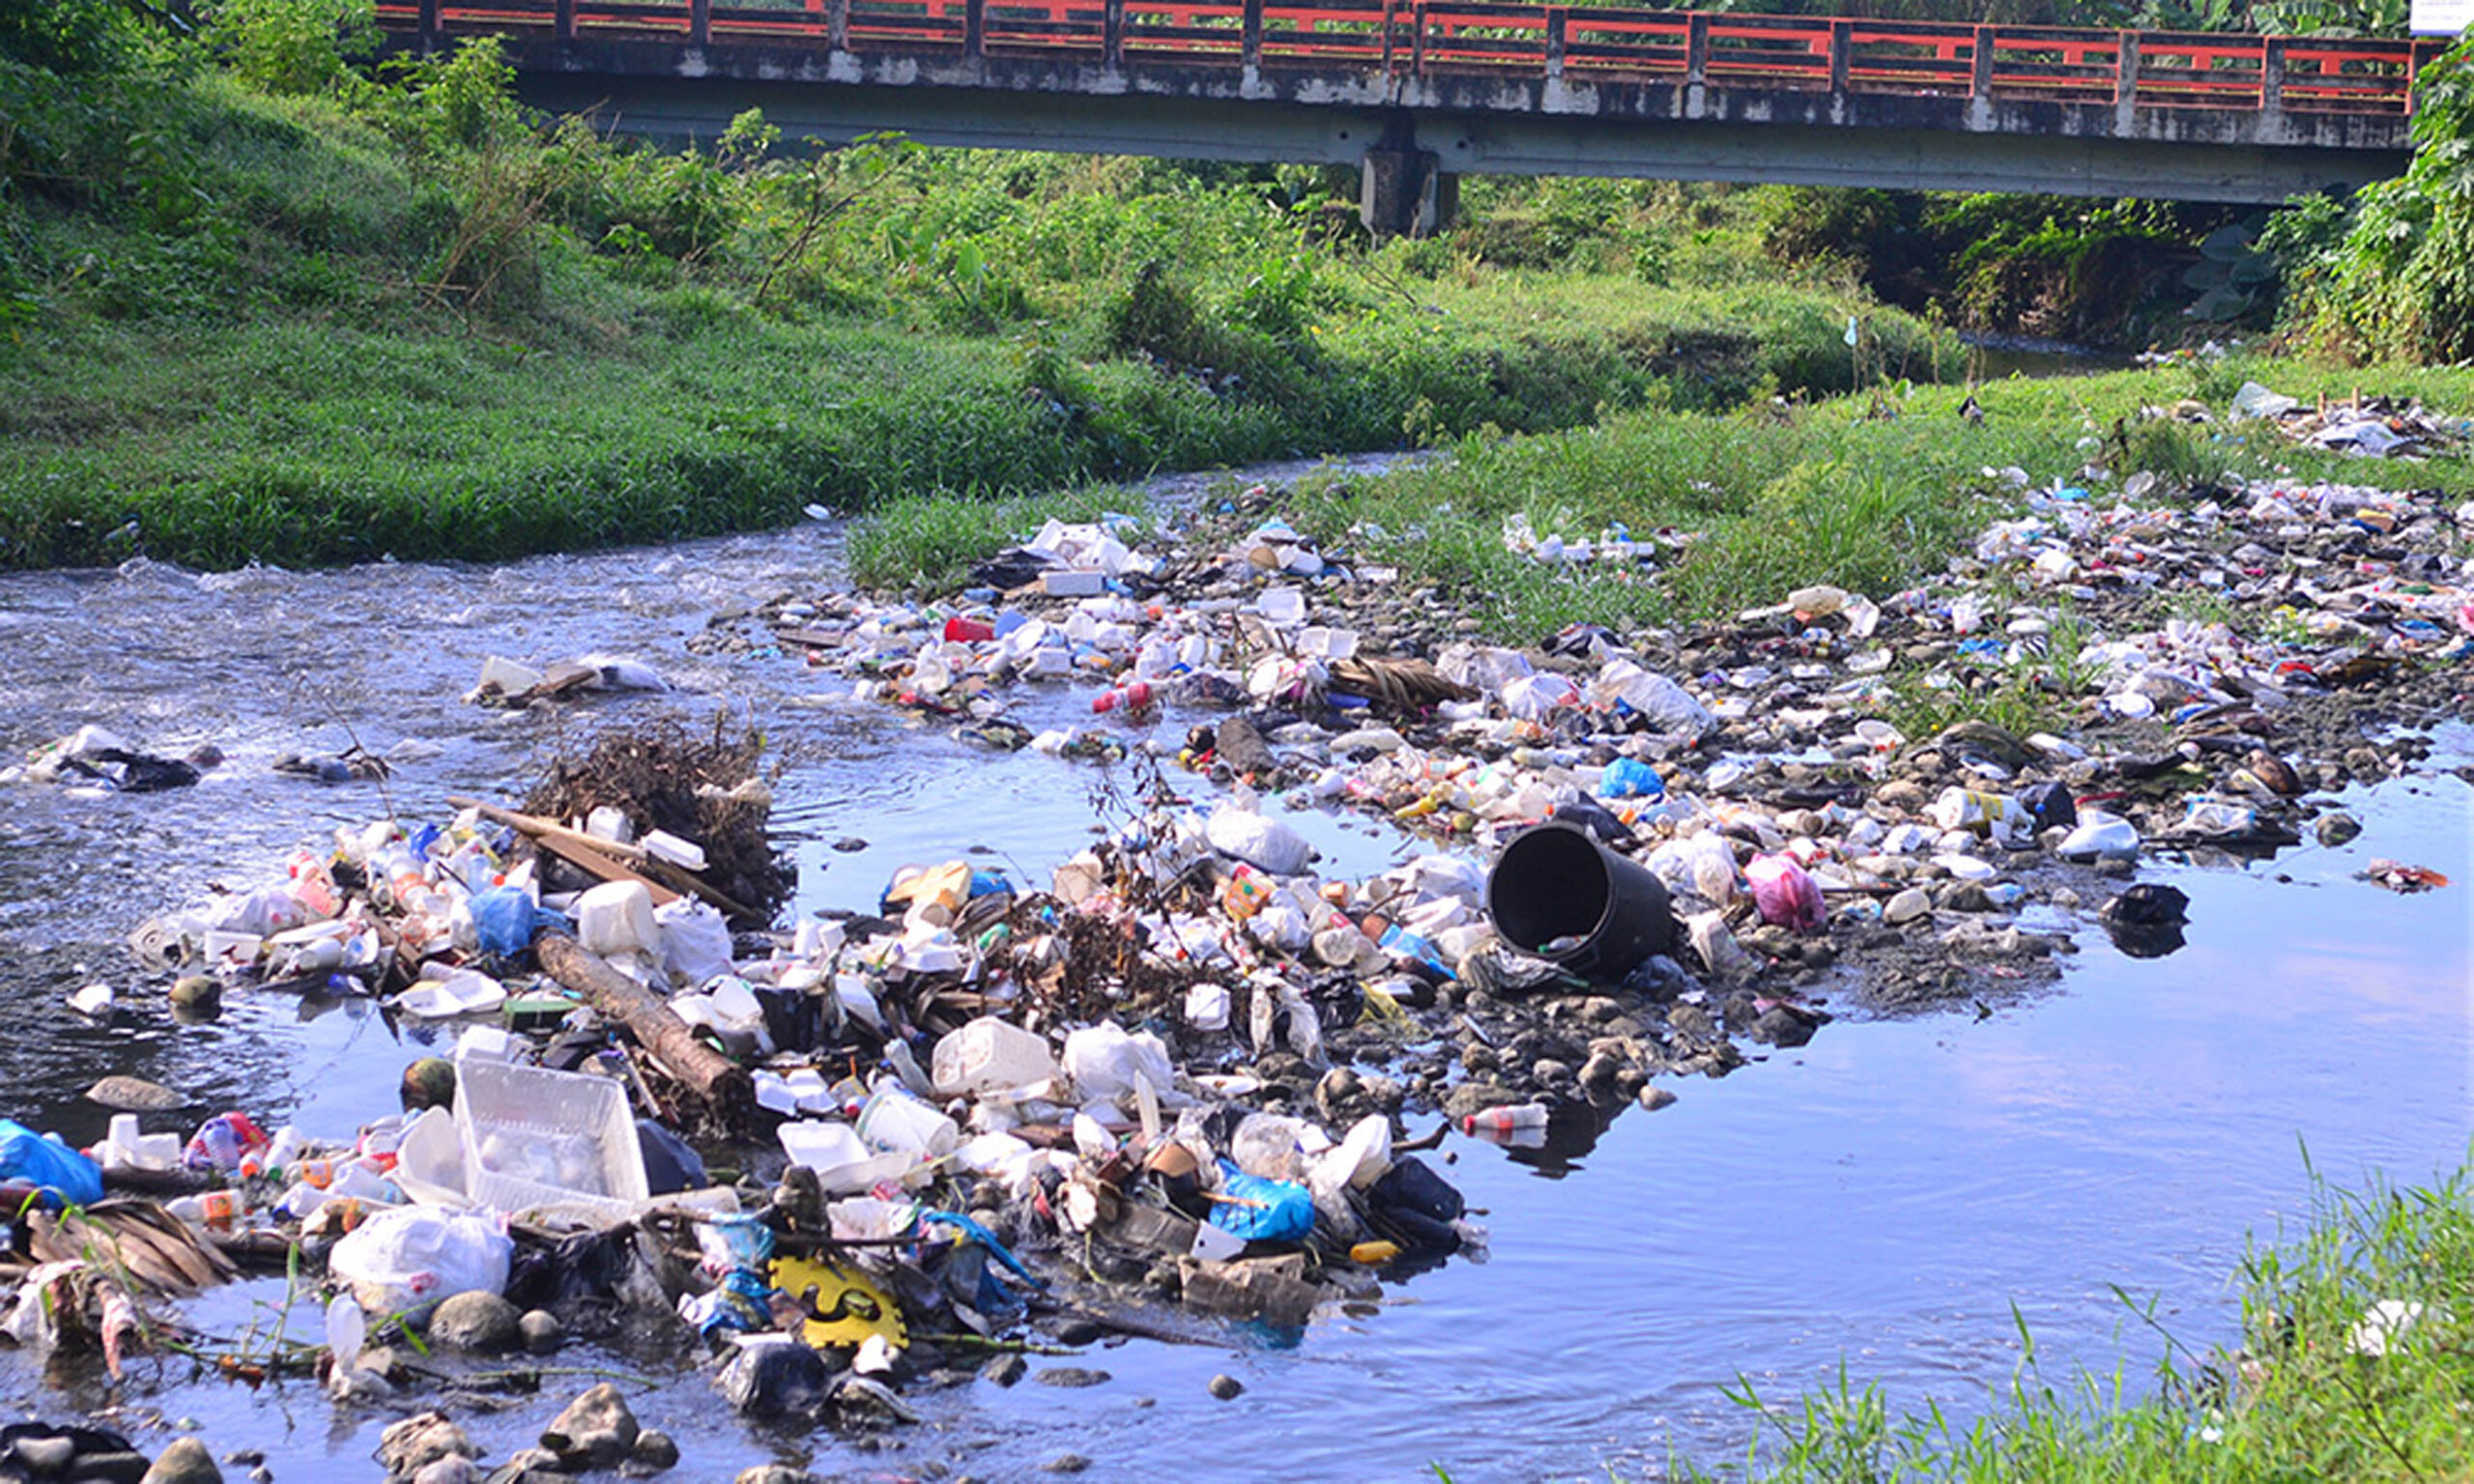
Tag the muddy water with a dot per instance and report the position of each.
(1888, 1194)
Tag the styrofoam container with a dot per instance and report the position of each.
(893, 1121)
(463, 992)
(989, 1055)
(536, 1138)
(617, 917)
(841, 1159)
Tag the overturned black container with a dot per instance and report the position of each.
(1559, 893)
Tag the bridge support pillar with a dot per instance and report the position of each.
(1405, 193)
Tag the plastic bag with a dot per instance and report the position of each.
(1785, 894)
(1102, 1060)
(43, 1161)
(1263, 1209)
(694, 941)
(1264, 843)
(504, 919)
(408, 1256)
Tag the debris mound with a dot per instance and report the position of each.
(708, 789)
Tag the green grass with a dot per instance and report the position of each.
(2300, 1400)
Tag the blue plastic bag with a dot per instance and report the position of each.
(40, 1159)
(1261, 1210)
(505, 920)
(1627, 777)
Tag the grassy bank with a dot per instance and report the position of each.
(289, 313)
(1868, 493)
(2356, 1363)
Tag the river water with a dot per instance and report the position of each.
(1898, 1196)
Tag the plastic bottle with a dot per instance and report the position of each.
(1504, 1120)
(210, 1208)
(968, 631)
(1132, 697)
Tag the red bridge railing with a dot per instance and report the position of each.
(2143, 69)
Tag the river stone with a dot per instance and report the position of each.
(1073, 1376)
(134, 1095)
(1474, 1097)
(655, 1451)
(1226, 1387)
(477, 1321)
(597, 1431)
(198, 992)
(411, 1447)
(186, 1462)
(775, 1380)
(543, 1332)
(2333, 830)
(774, 1473)
(46, 1457)
(1655, 1097)
(1005, 1370)
(454, 1469)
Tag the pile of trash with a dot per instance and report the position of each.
(2365, 427)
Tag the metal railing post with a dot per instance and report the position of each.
(1842, 48)
(562, 20)
(699, 22)
(1113, 33)
(429, 24)
(837, 25)
(975, 27)
(1555, 17)
(1980, 65)
(1696, 47)
(1417, 39)
(1250, 42)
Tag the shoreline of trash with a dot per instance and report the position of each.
(944, 1113)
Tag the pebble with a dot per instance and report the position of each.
(1226, 1387)
(1073, 1376)
(478, 1322)
(186, 1462)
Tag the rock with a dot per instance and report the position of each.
(655, 1450)
(1274, 1289)
(454, 1469)
(45, 1457)
(1599, 1072)
(1334, 1092)
(196, 992)
(477, 1321)
(2332, 830)
(1547, 1069)
(1073, 1376)
(408, 1448)
(543, 1331)
(186, 1462)
(782, 1379)
(1476, 1097)
(1066, 1462)
(597, 1431)
(774, 1473)
(1652, 1098)
(134, 1095)
(529, 1466)
(1005, 1370)
(1079, 1333)
(1226, 1387)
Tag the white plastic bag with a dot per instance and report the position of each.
(1264, 843)
(1104, 1060)
(694, 941)
(410, 1256)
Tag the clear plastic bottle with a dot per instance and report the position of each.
(1504, 1120)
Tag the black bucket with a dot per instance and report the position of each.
(1555, 885)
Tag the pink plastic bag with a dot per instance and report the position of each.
(1784, 894)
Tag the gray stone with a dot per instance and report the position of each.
(655, 1450)
(409, 1447)
(776, 1381)
(1226, 1387)
(454, 1469)
(477, 1321)
(774, 1473)
(1476, 1097)
(543, 1331)
(45, 1457)
(1655, 1097)
(1005, 1370)
(1073, 1376)
(597, 1431)
(186, 1462)
(1066, 1462)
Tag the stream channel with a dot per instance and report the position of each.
(1900, 1196)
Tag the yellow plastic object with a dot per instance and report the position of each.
(1374, 1254)
(842, 1308)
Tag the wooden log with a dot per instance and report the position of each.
(722, 1084)
(610, 860)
